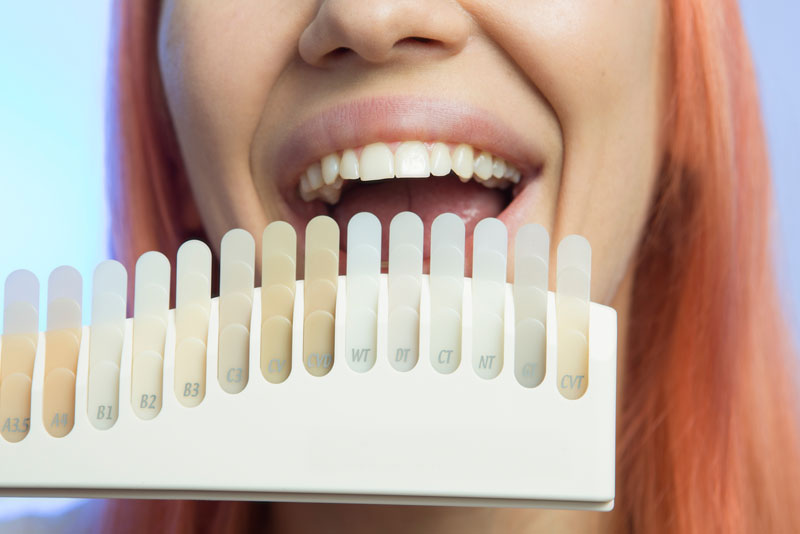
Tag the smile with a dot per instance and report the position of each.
(409, 159)
(393, 154)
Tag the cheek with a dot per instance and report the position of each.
(218, 62)
(599, 65)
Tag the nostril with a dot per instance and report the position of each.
(415, 40)
(337, 53)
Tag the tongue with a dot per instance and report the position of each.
(426, 197)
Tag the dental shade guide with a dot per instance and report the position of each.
(397, 388)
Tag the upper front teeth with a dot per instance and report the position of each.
(411, 159)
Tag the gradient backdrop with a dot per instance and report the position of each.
(53, 58)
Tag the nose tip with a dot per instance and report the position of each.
(379, 30)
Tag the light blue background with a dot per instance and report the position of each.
(53, 58)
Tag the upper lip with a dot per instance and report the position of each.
(390, 119)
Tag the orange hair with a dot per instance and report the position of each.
(708, 435)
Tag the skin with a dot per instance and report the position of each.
(584, 81)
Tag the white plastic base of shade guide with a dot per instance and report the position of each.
(384, 436)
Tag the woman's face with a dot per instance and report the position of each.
(567, 92)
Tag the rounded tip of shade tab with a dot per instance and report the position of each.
(109, 275)
(22, 286)
(574, 252)
(364, 227)
(491, 234)
(448, 229)
(65, 282)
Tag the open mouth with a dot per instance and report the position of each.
(426, 178)
(445, 157)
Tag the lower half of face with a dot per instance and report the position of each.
(546, 112)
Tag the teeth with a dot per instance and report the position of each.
(314, 174)
(463, 162)
(376, 162)
(348, 166)
(411, 159)
(440, 160)
(483, 166)
(330, 168)
(498, 167)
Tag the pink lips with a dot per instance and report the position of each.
(389, 119)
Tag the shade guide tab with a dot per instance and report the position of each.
(489, 252)
(531, 260)
(363, 279)
(150, 315)
(236, 283)
(405, 286)
(192, 313)
(446, 290)
(17, 353)
(62, 344)
(278, 280)
(109, 303)
(320, 287)
(573, 282)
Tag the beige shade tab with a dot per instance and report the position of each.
(318, 342)
(279, 255)
(61, 349)
(15, 407)
(192, 291)
(278, 280)
(17, 352)
(573, 285)
(62, 344)
(58, 403)
(190, 372)
(320, 287)
(237, 279)
(234, 352)
(276, 349)
(278, 301)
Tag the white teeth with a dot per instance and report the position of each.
(483, 166)
(411, 159)
(330, 168)
(348, 166)
(463, 162)
(440, 160)
(306, 191)
(498, 167)
(376, 162)
(314, 174)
